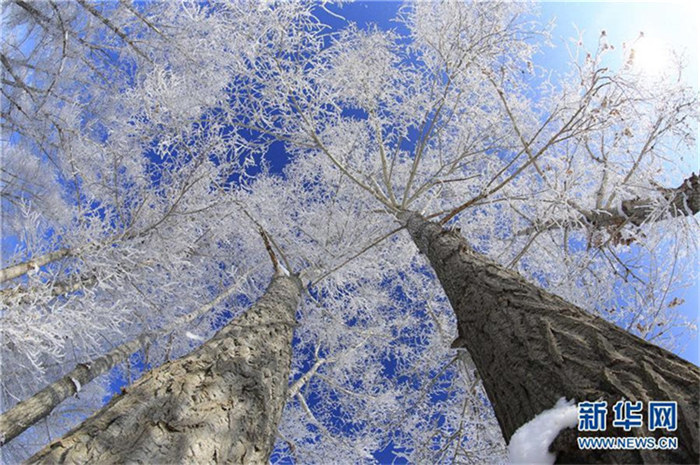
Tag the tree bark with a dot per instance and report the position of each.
(23, 415)
(26, 413)
(23, 294)
(220, 404)
(683, 200)
(20, 269)
(532, 347)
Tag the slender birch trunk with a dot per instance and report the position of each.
(532, 347)
(220, 404)
(20, 269)
(26, 413)
(22, 294)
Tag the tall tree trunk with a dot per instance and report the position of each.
(26, 413)
(532, 347)
(220, 404)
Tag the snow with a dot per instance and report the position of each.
(77, 385)
(193, 336)
(530, 443)
(281, 270)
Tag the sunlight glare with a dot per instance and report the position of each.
(651, 56)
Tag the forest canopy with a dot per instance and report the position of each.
(157, 155)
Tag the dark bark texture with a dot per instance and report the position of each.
(683, 200)
(532, 347)
(220, 404)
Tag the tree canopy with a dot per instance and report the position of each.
(145, 146)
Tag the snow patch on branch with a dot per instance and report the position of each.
(77, 385)
(193, 336)
(281, 270)
(530, 443)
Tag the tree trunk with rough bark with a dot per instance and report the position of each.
(220, 404)
(532, 348)
(26, 413)
(683, 200)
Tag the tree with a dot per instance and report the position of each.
(532, 347)
(563, 180)
(351, 109)
(92, 266)
(28, 412)
(223, 401)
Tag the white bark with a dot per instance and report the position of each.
(20, 269)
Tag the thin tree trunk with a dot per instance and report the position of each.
(221, 403)
(532, 347)
(23, 415)
(23, 296)
(20, 269)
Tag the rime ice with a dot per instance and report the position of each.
(193, 336)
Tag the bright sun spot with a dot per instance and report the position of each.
(651, 56)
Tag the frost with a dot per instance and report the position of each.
(193, 336)
(530, 443)
(77, 385)
(147, 188)
(281, 270)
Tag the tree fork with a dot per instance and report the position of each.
(221, 403)
(532, 347)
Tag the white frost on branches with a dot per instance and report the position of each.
(143, 155)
